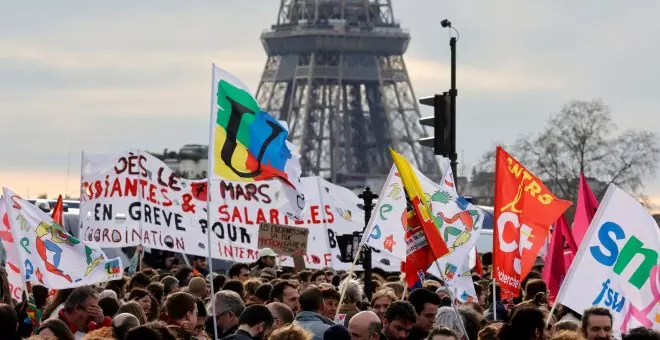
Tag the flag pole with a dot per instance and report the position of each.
(141, 254)
(209, 224)
(494, 298)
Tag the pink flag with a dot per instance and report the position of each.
(570, 247)
(555, 267)
(587, 204)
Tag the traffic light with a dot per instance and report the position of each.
(443, 140)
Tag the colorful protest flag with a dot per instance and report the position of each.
(555, 267)
(425, 243)
(587, 204)
(10, 257)
(248, 144)
(58, 211)
(51, 256)
(617, 265)
(524, 210)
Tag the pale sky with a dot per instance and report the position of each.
(108, 76)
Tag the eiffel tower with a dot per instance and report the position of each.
(335, 73)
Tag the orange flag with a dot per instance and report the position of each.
(58, 211)
(524, 211)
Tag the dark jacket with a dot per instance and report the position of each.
(315, 323)
(239, 335)
(221, 334)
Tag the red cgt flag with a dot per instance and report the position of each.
(524, 211)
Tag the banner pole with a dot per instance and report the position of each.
(209, 223)
(494, 299)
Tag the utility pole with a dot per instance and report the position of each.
(368, 198)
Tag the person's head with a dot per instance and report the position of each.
(318, 277)
(251, 286)
(157, 290)
(566, 325)
(170, 285)
(431, 285)
(399, 319)
(162, 329)
(353, 290)
(235, 286)
(426, 304)
(569, 335)
(256, 320)
(109, 305)
(267, 257)
(200, 262)
(381, 300)
(8, 321)
(40, 294)
(286, 293)
(641, 333)
(597, 323)
(139, 280)
(197, 287)
(181, 308)
(397, 287)
(449, 318)
(442, 333)
(54, 329)
(218, 282)
(330, 302)
(290, 332)
(365, 326)
(305, 278)
(443, 292)
(142, 297)
(228, 307)
(78, 304)
(490, 332)
(135, 309)
(336, 332)
(118, 286)
(525, 323)
(533, 287)
(311, 300)
(143, 332)
(472, 321)
(240, 272)
(123, 322)
(282, 314)
(263, 292)
(184, 275)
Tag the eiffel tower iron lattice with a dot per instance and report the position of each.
(335, 73)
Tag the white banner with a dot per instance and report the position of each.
(617, 264)
(12, 260)
(134, 198)
(51, 256)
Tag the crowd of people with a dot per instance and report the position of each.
(258, 302)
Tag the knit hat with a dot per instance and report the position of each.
(337, 332)
(197, 286)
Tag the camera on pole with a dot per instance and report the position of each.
(442, 121)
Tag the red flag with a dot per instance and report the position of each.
(555, 266)
(587, 204)
(58, 211)
(478, 267)
(524, 211)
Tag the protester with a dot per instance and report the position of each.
(240, 272)
(526, 323)
(286, 293)
(597, 323)
(399, 320)
(443, 333)
(282, 315)
(336, 332)
(142, 297)
(330, 302)
(641, 333)
(381, 300)
(228, 307)
(54, 328)
(199, 330)
(261, 295)
(8, 322)
(235, 286)
(253, 324)
(266, 260)
(122, 323)
(318, 277)
(200, 267)
(365, 325)
(170, 284)
(81, 312)
(426, 305)
(352, 296)
(311, 316)
(197, 287)
(290, 332)
(109, 306)
(181, 311)
(135, 309)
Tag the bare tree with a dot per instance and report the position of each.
(582, 138)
